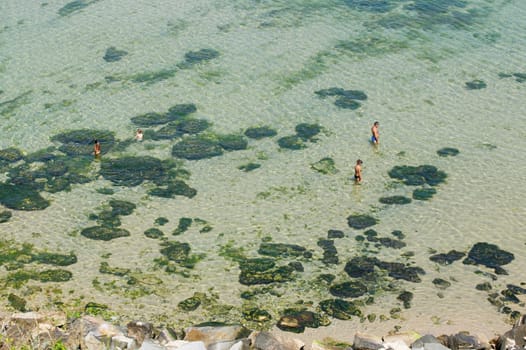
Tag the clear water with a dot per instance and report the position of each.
(412, 64)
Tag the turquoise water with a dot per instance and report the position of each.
(411, 58)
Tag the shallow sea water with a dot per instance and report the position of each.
(273, 56)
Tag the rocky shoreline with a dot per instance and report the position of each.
(52, 330)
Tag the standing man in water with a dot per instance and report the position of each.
(358, 171)
(375, 138)
(96, 148)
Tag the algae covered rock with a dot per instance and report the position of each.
(350, 289)
(296, 321)
(132, 171)
(5, 216)
(232, 142)
(340, 309)
(306, 131)
(347, 103)
(104, 233)
(325, 166)
(203, 55)
(80, 141)
(423, 194)
(120, 207)
(418, 175)
(280, 249)
(361, 221)
(447, 258)
(22, 197)
(190, 304)
(154, 233)
(197, 148)
(395, 200)
(10, 155)
(489, 255)
(476, 85)
(263, 271)
(448, 152)
(293, 142)
(180, 110)
(16, 302)
(150, 119)
(113, 54)
(178, 252)
(260, 132)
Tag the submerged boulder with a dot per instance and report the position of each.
(22, 197)
(113, 54)
(340, 309)
(395, 200)
(489, 255)
(81, 141)
(448, 151)
(195, 148)
(104, 233)
(281, 249)
(260, 132)
(263, 271)
(325, 166)
(350, 289)
(360, 221)
(132, 171)
(296, 321)
(447, 258)
(417, 175)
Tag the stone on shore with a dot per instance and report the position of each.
(428, 342)
(364, 341)
(274, 341)
(213, 334)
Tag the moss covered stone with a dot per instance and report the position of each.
(57, 275)
(113, 54)
(349, 289)
(255, 314)
(120, 207)
(5, 216)
(330, 254)
(154, 233)
(80, 141)
(176, 251)
(360, 221)
(105, 268)
(249, 167)
(103, 233)
(55, 258)
(448, 152)
(325, 166)
(260, 132)
(174, 188)
(331, 234)
(181, 110)
(489, 255)
(192, 126)
(22, 197)
(395, 200)
(194, 148)
(335, 91)
(441, 283)
(161, 221)
(340, 309)
(293, 142)
(281, 249)
(406, 297)
(296, 321)
(132, 171)
(424, 194)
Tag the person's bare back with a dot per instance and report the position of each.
(375, 138)
(358, 171)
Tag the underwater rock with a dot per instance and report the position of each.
(249, 167)
(340, 309)
(447, 258)
(191, 126)
(189, 304)
(398, 234)
(429, 173)
(54, 258)
(114, 55)
(57, 275)
(297, 266)
(73, 6)
(154, 233)
(448, 151)
(330, 254)
(281, 249)
(132, 171)
(347, 103)
(374, 6)
(325, 166)
(104, 233)
(195, 57)
(260, 132)
(307, 131)
(16, 302)
(391, 243)
(351, 289)
(5, 216)
(327, 277)
(195, 148)
(42, 155)
(184, 224)
(120, 207)
(395, 200)
(80, 142)
(176, 251)
(10, 155)
(116, 271)
(293, 142)
(520, 77)
(174, 188)
(424, 194)
(255, 314)
(331, 234)
(161, 221)
(150, 119)
(168, 132)
(489, 255)
(232, 142)
(476, 85)
(22, 197)
(335, 91)
(296, 321)
(360, 221)
(263, 271)
(406, 297)
(180, 110)
(401, 271)
(441, 283)
(361, 266)
(484, 286)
